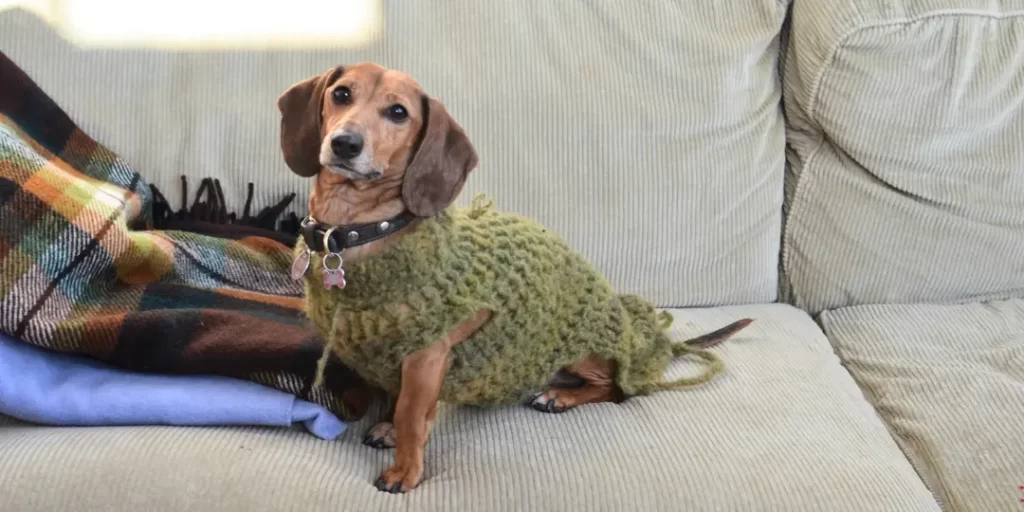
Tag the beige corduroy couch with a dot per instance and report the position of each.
(850, 173)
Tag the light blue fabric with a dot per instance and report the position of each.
(53, 388)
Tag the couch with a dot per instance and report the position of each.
(849, 173)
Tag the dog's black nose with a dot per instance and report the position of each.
(347, 145)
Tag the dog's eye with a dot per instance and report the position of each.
(342, 95)
(396, 113)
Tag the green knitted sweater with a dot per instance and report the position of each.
(550, 308)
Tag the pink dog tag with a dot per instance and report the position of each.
(333, 277)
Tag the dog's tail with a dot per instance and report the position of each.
(715, 337)
(697, 347)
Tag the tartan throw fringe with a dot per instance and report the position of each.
(94, 261)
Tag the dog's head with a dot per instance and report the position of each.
(365, 122)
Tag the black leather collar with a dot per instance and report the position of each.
(352, 235)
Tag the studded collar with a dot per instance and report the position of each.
(352, 235)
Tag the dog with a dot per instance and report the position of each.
(387, 162)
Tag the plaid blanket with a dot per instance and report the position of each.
(82, 270)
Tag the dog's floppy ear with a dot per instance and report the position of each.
(444, 158)
(301, 109)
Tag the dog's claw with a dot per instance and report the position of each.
(382, 485)
(548, 407)
(380, 436)
(402, 482)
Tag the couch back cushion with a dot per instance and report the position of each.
(650, 136)
(906, 179)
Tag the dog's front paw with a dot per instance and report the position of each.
(382, 436)
(399, 479)
(547, 401)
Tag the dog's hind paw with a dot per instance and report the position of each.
(563, 399)
(381, 436)
(546, 401)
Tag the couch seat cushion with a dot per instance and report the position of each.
(785, 428)
(949, 382)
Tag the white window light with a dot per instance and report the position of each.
(211, 24)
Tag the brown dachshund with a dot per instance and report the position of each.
(378, 147)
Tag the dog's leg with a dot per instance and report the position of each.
(422, 377)
(598, 376)
(382, 435)
(598, 386)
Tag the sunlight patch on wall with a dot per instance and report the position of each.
(211, 24)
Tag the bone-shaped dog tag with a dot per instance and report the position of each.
(333, 277)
